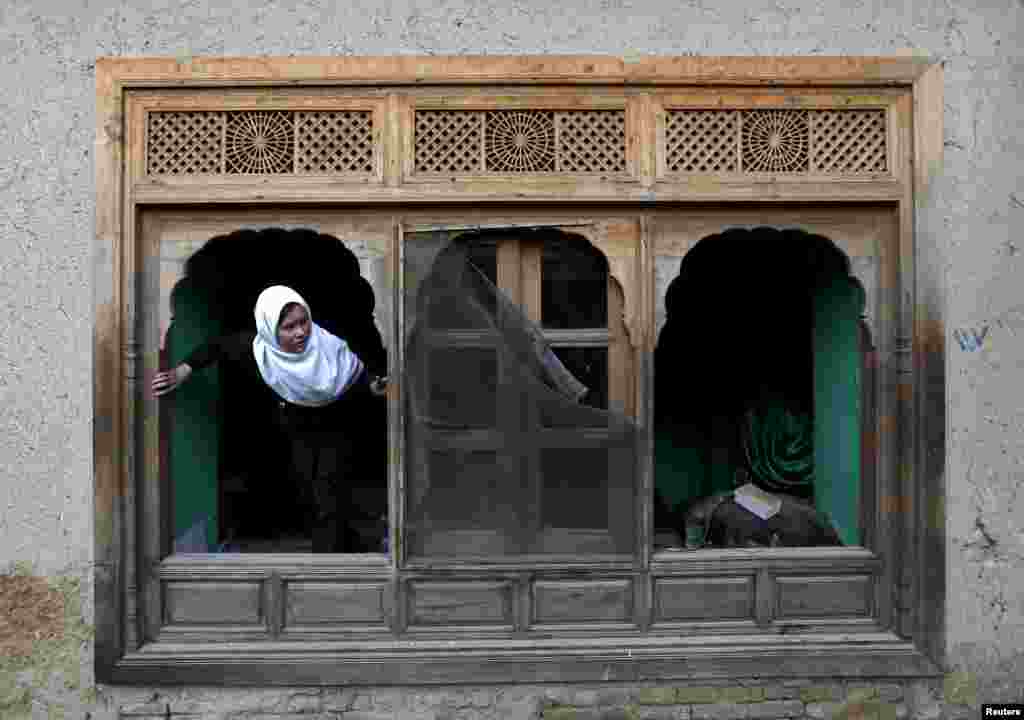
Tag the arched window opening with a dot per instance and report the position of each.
(763, 386)
(236, 478)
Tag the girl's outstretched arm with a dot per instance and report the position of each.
(235, 348)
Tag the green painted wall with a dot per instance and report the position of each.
(838, 304)
(195, 420)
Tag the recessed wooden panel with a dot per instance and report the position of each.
(703, 598)
(836, 596)
(462, 603)
(227, 603)
(315, 603)
(568, 602)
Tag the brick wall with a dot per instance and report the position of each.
(719, 700)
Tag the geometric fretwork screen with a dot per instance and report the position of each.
(456, 142)
(260, 142)
(500, 142)
(778, 141)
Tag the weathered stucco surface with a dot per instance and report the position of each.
(46, 218)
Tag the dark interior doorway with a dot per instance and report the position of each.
(758, 380)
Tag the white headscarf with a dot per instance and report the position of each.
(314, 377)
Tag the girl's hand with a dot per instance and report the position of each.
(379, 385)
(166, 381)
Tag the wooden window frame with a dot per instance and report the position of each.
(900, 634)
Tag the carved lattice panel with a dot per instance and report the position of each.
(519, 141)
(841, 141)
(702, 141)
(448, 141)
(774, 141)
(592, 141)
(334, 142)
(455, 142)
(184, 143)
(848, 141)
(260, 142)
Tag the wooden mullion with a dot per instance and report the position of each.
(620, 385)
(509, 270)
(930, 480)
(643, 357)
(397, 406)
(531, 256)
(143, 442)
(530, 268)
(620, 378)
(509, 410)
(390, 152)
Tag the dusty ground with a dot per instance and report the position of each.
(31, 611)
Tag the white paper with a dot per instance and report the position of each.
(754, 499)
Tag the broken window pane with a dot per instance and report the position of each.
(525, 438)
(478, 370)
(563, 491)
(590, 366)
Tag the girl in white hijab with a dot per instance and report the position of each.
(299, 360)
(310, 371)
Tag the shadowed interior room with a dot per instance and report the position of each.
(758, 374)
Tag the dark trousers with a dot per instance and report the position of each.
(325, 461)
(319, 461)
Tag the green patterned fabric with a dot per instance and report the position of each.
(779, 446)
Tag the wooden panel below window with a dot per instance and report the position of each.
(836, 596)
(315, 603)
(225, 603)
(593, 601)
(703, 599)
(433, 604)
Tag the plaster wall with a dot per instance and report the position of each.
(47, 126)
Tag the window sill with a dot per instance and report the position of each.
(613, 659)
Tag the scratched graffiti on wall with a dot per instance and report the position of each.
(971, 339)
(1009, 322)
